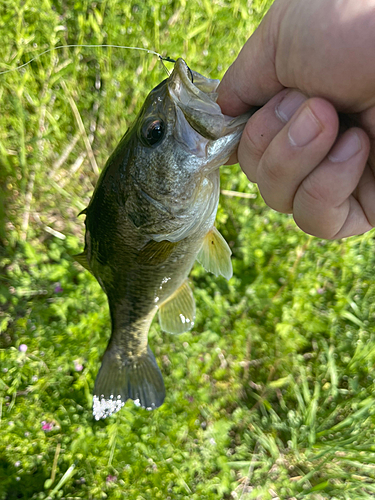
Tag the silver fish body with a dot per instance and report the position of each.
(151, 215)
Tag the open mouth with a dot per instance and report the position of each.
(195, 96)
(196, 82)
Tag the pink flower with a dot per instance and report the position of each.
(111, 479)
(58, 288)
(47, 426)
(22, 348)
(78, 366)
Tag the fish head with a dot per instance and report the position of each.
(179, 138)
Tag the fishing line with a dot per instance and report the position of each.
(168, 59)
(162, 58)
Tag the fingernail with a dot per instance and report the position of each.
(289, 105)
(304, 129)
(346, 147)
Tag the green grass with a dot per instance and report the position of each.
(270, 396)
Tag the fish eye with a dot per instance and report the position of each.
(154, 132)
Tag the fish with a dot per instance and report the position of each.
(151, 216)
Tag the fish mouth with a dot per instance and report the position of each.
(195, 97)
(197, 104)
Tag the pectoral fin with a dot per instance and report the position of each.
(177, 314)
(155, 252)
(215, 253)
(81, 258)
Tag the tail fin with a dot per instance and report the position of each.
(121, 378)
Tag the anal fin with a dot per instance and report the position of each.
(177, 313)
(215, 253)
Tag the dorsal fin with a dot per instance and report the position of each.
(177, 313)
(215, 253)
(81, 258)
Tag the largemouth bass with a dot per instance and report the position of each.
(151, 216)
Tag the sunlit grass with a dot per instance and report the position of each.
(270, 396)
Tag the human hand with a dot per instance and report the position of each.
(307, 62)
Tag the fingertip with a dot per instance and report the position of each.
(324, 204)
(263, 127)
(291, 101)
(326, 116)
(296, 150)
(350, 143)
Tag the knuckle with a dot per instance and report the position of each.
(275, 186)
(314, 192)
(272, 172)
(276, 192)
(251, 150)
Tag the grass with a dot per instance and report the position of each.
(270, 396)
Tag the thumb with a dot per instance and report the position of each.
(252, 80)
